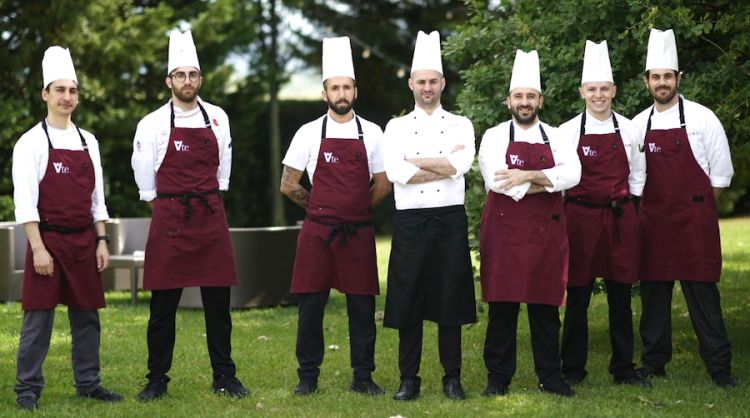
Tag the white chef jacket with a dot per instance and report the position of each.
(152, 138)
(632, 138)
(303, 150)
(30, 158)
(707, 138)
(419, 135)
(565, 174)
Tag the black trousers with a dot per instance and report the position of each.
(500, 342)
(704, 306)
(361, 312)
(410, 350)
(575, 336)
(161, 331)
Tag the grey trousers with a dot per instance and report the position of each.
(36, 332)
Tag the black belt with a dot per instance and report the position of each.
(44, 226)
(615, 205)
(346, 228)
(185, 199)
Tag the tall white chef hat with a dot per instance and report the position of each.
(57, 65)
(427, 53)
(526, 71)
(662, 50)
(182, 51)
(337, 58)
(596, 66)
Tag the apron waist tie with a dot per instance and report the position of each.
(615, 205)
(44, 226)
(345, 228)
(185, 200)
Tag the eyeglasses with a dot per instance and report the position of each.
(193, 76)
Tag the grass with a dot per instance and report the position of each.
(264, 339)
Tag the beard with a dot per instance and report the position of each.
(186, 94)
(524, 120)
(671, 92)
(341, 107)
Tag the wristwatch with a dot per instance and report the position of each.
(102, 238)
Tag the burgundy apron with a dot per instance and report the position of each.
(66, 226)
(678, 222)
(188, 241)
(601, 219)
(336, 245)
(523, 245)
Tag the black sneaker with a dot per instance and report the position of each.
(154, 389)
(452, 389)
(647, 372)
(306, 387)
(27, 403)
(101, 394)
(633, 380)
(495, 388)
(230, 386)
(409, 389)
(366, 387)
(574, 378)
(557, 387)
(724, 380)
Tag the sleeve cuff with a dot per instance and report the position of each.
(403, 174)
(720, 181)
(224, 184)
(147, 195)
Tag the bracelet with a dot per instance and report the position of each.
(102, 238)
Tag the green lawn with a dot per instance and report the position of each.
(264, 351)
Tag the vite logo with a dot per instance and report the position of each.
(514, 160)
(588, 152)
(330, 158)
(60, 168)
(180, 147)
(652, 147)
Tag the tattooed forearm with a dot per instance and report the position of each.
(291, 188)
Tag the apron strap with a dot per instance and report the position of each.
(583, 124)
(203, 111)
(512, 134)
(360, 135)
(346, 229)
(185, 200)
(681, 108)
(49, 142)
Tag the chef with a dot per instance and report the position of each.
(427, 153)
(342, 155)
(523, 243)
(182, 155)
(602, 222)
(688, 165)
(59, 199)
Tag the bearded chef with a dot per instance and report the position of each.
(688, 164)
(59, 199)
(181, 160)
(427, 153)
(602, 221)
(341, 152)
(523, 243)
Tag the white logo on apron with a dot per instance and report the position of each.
(652, 147)
(588, 152)
(60, 168)
(180, 147)
(330, 158)
(516, 161)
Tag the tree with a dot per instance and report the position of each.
(712, 46)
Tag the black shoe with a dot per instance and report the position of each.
(154, 389)
(409, 389)
(101, 394)
(724, 380)
(306, 387)
(495, 388)
(574, 378)
(557, 387)
(452, 389)
(647, 372)
(26, 402)
(365, 387)
(230, 386)
(633, 380)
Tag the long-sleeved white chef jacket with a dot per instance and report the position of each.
(632, 139)
(30, 158)
(152, 138)
(706, 135)
(565, 174)
(419, 135)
